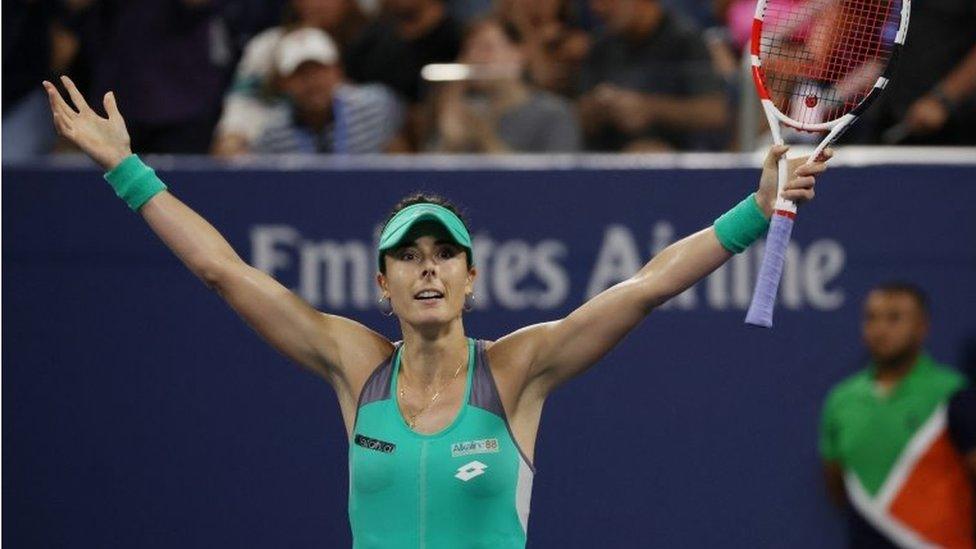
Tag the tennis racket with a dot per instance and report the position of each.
(817, 65)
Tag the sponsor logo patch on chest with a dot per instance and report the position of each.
(473, 447)
(468, 471)
(375, 444)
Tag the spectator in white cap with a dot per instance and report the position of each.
(305, 105)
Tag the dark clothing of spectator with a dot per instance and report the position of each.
(673, 60)
(26, 48)
(246, 18)
(168, 63)
(962, 420)
(543, 123)
(381, 55)
(940, 35)
(701, 12)
(862, 535)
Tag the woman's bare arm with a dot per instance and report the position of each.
(550, 353)
(319, 341)
(335, 347)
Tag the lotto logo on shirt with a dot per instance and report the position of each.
(472, 447)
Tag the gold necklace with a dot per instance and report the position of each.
(412, 420)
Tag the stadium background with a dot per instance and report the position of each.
(140, 412)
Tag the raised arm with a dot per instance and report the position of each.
(553, 352)
(339, 349)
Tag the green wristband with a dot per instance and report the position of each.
(134, 182)
(739, 227)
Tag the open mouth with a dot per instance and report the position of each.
(427, 295)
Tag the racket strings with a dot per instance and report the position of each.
(821, 58)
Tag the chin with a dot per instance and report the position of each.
(886, 356)
(430, 318)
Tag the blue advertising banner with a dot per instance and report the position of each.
(138, 411)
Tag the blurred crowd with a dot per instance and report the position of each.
(233, 77)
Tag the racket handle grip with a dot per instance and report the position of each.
(764, 297)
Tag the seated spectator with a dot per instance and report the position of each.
(932, 98)
(408, 35)
(554, 49)
(309, 108)
(648, 82)
(252, 89)
(513, 115)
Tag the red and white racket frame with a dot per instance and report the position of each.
(764, 297)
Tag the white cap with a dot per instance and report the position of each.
(306, 44)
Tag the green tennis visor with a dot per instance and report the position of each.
(399, 227)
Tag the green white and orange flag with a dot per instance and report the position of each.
(921, 500)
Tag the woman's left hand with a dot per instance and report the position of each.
(799, 188)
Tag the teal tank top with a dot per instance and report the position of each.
(467, 486)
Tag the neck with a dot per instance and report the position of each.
(645, 21)
(892, 371)
(436, 353)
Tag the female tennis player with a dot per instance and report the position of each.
(442, 427)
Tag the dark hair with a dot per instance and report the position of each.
(423, 197)
(905, 287)
(354, 19)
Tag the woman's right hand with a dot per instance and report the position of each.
(105, 140)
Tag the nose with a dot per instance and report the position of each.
(429, 268)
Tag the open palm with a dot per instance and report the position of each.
(105, 140)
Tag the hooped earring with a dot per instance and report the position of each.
(388, 309)
(468, 302)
